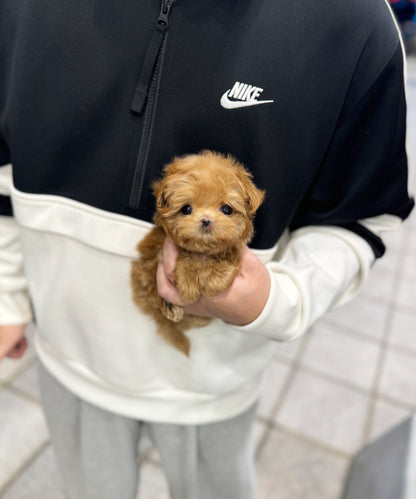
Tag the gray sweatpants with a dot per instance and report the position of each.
(97, 451)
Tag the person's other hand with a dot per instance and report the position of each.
(13, 343)
(240, 304)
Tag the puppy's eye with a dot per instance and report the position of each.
(226, 209)
(187, 209)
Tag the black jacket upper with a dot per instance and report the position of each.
(329, 149)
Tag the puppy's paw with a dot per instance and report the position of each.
(172, 312)
(188, 289)
(189, 295)
(219, 281)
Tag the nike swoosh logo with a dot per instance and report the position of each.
(234, 104)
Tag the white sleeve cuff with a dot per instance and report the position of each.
(15, 308)
(319, 268)
(281, 313)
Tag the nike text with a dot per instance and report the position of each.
(244, 94)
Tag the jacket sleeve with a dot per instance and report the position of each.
(364, 172)
(318, 268)
(15, 305)
(359, 192)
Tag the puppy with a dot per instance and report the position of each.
(206, 203)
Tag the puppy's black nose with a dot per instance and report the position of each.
(206, 222)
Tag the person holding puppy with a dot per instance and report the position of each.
(95, 99)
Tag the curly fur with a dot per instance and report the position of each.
(206, 203)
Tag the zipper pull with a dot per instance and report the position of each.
(163, 19)
(159, 31)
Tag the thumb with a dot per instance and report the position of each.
(18, 350)
(169, 255)
(10, 337)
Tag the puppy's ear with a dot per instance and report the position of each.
(163, 189)
(253, 196)
(157, 187)
(162, 195)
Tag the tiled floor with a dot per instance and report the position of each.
(349, 379)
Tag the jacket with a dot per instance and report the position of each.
(95, 97)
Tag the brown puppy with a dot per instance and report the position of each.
(206, 203)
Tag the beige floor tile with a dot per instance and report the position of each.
(409, 264)
(290, 468)
(289, 350)
(380, 284)
(11, 368)
(273, 383)
(398, 377)
(23, 432)
(361, 315)
(394, 239)
(258, 431)
(403, 329)
(152, 483)
(348, 357)
(27, 382)
(40, 481)
(386, 416)
(147, 449)
(411, 232)
(406, 294)
(325, 412)
(390, 261)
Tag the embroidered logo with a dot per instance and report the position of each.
(242, 95)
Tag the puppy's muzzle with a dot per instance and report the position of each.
(206, 225)
(206, 222)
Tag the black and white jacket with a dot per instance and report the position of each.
(95, 97)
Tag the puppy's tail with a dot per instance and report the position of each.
(174, 336)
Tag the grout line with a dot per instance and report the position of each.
(19, 371)
(310, 440)
(386, 342)
(347, 330)
(401, 404)
(281, 359)
(374, 391)
(151, 455)
(402, 349)
(354, 387)
(273, 426)
(24, 466)
(22, 394)
(295, 365)
(372, 394)
(402, 307)
(384, 345)
(336, 380)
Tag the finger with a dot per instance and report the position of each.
(165, 288)
(6, 347)
(10, 335)
(248, 259)
(170, 253)
(18, 350)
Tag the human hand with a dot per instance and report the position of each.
(240, 304)
(13, 343)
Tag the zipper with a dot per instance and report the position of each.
(146, 93)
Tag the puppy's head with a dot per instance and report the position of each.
(206, 202)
